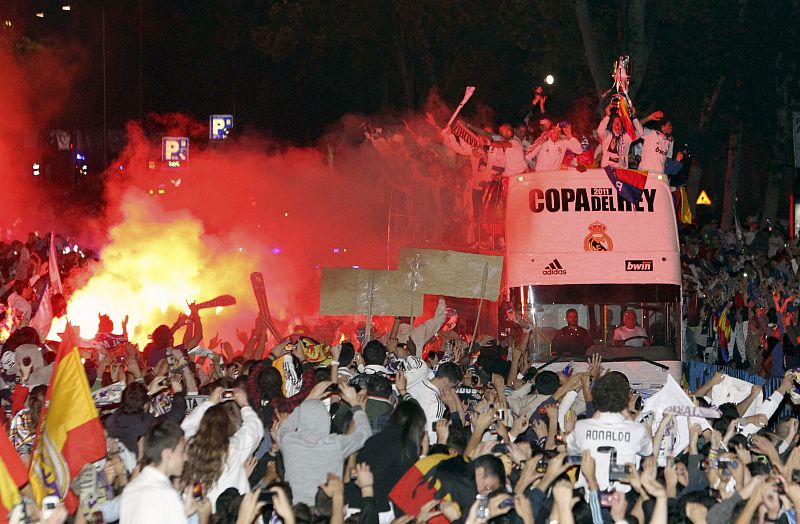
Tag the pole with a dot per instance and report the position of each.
(368, 327)
(480, 303)
(141, 61)
(105, 120)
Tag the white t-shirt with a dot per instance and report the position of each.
(629, 438)
(656, 147)
(515, 157)
(549, 155)
(623, 333)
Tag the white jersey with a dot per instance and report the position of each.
(629, 438)
(656, 147)
(549, 155)
(515, 157)
(623, 333)
(614, 149)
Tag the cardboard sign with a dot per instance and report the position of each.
(345, 291)
(453, 273)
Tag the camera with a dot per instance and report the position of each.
(227, 394)
(616, 471)
(563, 124)
(197, 491)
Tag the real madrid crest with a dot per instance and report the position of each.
(597, 239)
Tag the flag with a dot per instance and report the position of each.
(682, 208)
(42, 317)
(628, 182)
(412, 491)
(625, 116)
(723, 331)
(12, 476)
(70, 434)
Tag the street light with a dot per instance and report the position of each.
(66, 8)
(549, 80)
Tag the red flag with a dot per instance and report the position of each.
(70, 433)
(12, 476)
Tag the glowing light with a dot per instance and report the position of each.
(661, 177)
(155, 261)
(549, 80)
(7, 23)
(356, 267)
(520, 178)
(36, 167)
(79, 156)
(161, 191)
(40, 15)
(336, 250)
(276, 251)
(241, 249)
(151, 191)
(218, 310)
(344, 250)
(75, 248)
(286, 214)
(66, 8)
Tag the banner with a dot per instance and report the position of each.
(566, 227)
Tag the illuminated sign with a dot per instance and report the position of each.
(219, 126)
(175, 151)
(702, 199)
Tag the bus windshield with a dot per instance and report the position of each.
(615, 321)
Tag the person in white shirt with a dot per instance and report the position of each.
(629, 334)
(150, 498)
(610, 428)
(428, 391)
(514, 148)
(657, 145)
(615, 143)
(222, 437)
(549, 153)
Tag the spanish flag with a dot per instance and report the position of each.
(70, 434)
(12, 476)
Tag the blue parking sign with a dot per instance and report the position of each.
(219, 126)
(175, 150)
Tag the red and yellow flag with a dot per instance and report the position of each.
(70, 433)
(12, 476)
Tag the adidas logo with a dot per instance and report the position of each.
(554, 268)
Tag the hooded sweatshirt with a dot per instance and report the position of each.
(310, 451)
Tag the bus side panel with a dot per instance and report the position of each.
(565, 227)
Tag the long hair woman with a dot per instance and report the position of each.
(393, 450)
(222, 436)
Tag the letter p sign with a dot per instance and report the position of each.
(175, 150)
(219, 126)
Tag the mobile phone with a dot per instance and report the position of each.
(197, 491)
(49, 504)
(541, 466)
(574, 460)
(796, 475)
(507, 503)
(333, 388)
(266, 497)
(227, 394)
(500, 414)
(500, 448)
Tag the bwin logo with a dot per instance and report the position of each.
(554, 268)
(638, 265)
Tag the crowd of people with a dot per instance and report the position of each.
(741, 287)
(387, 430)
(455, 176)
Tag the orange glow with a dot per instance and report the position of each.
(155, 263)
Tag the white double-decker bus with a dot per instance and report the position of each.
(573, 242)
